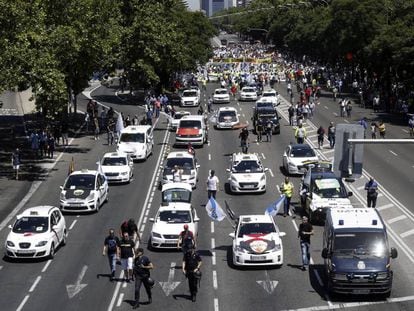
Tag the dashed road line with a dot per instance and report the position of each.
(46, 265)
(212, 227)
(360, 188)
(215, 285)
(73, 224)
(119, 302)
(335, 114)
(383, 207)
(216, 304)
(393, 153)
(326, 107)
(213, 243)
(407, 233)
(404, 130)
(213, 258)
(395, 219)
(209, 157)
(21, 305)
(263, 156)
(271, 173)
(346, 120)
(35, 284)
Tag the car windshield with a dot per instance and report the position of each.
(221, 92)
(302, 153)
(189, 93)
(250, 166)
(329, 188)
(190, 124)
(264, 104)
(179, 115)
(229, 115)
(186, 163)
(175, 217)
(132, 138)
(80, 181)
(269, 95)
(360, 244)
(249, 90)
(256, 228)
(114, 161)
(176, 195)
(31, 225)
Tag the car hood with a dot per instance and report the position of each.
(192, 98)
(80, 194)
(258, 243)
(301, 161)
(114, 169)
(29, 237)
(247, 177)
(248, 93)
(221, 95)
(162, 227)
(185, 172)
(362, 264)
(131, 147)
(317, 201)
(188, 131)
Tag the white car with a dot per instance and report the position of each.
(36, 233)
(174, 121)
(84, 191)
(257, 242)
(270, 95)
(248, 93)
(296, 156)
(221, 96)
(175, 212)
(187, 164)
(191, 129)
(247, 173)
(137, 141)
(190, 98)
(226, 118)
(117, 167)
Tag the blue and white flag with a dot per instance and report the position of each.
(273, 209)
(214, 210)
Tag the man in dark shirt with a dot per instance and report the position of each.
(191, 269)
(304, 234)
(111, 250)
(142, 267)
(186, 239)
(126, 246)
(372, 192)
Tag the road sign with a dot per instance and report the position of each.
(348, 157)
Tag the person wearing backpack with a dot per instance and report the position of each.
(111, 250)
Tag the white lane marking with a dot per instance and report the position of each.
(208, 143)
(145, 220)
(213, 259)
(346, 120)
(1, 267)
(147, 212)
(328, 151)
(121, 297)
(209, 157)
(295, 225)
(21, 305)
(270, 172)
(35, 284)
(243, 115)
(404, 130)
(78, 216)
(263, 156)
(311, 136)
(215, 279)
(73, 224)
(212, 227)
(326, 107)
(46, 265)
(360, 188)
(393, 153)
(142, 229)
(335, 114)
(383, 207)
(395, 219)
(216, 304)
(407, 233)
(355, 304)
(124, 284)
(213, 243)
(241, 109)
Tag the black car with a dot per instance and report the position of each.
(267, 113)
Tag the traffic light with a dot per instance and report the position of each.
(348, 157)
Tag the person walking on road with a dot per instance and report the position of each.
(321, 136)
(287, 189)
(65, 132)
(411, 126)
(259, 130)
(127, 246)
(291, 112)
(300, 134)
(186, 240)
(372, 192)
(111, 132)
(244, 139)
(304, 234)
(111, 249)
(212, 185)
(269, 129)
(16, 161)
(191, 269)
(381, 129)
(130, 227)
(374, 127)
(142, 267)
(331, 135)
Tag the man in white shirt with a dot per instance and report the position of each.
(212, 185)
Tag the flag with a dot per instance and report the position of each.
(100, 170)
(119, 124)
(71, 167)
(273, 209)
(214, 210)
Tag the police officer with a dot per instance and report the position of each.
(142, 267)
(372, 192)
(191, 269)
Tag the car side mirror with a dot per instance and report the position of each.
(325, 253)
(101, 188)
(232, 235)
(196, 219)
(152, 219)
(54, 227)
(266, 169)
(61, 187)
(197, 165)
(394, 253)
(350, 194)
(10, 226)
(282, 234)
(228, 170)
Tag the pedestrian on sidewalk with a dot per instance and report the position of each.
(212, 185)
(87, 122)
(16, 161)
(321, 136)
(65, 132)
(111, 131)
(142, 267)
(363, 122)
(35, 144)
(96, 130)
(331, 135)
(342, 108)
(50, 146)
(102, 119)
(287, 189)
(374, 127)
(43, 144)
(348, 108)
(291, 112)
(304, 234)
(372, 192)
(111, 249)
(381, 129)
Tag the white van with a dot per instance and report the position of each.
(137, 141)
(191, 129)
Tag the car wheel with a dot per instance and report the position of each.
(64, 238)
(98, 205)
(52, 251)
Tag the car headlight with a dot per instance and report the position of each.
(277, 247)
(156, 235)
(382, 276)
(124, 173)
(91, 196)
(263, 177)
(41, 243)
(62, 196)
(339, 276)
(234, 179)
(10, 243)
(240, 249)
(291, 164)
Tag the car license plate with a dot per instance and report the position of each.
(76, 204)
(257, 258)
(248, 186)
(361, 291)
(25, 251)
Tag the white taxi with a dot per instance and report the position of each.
(190, 98)
(36, 233)
(296, 157)
(187, 165)
(248, 93)
(84, 191)
(257, 242)
(247, 173)
(118, 167)
(270, 96)
(175, 212)
(221, 96)
(137, 141)
(226, 118)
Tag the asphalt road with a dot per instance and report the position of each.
(42, 285)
